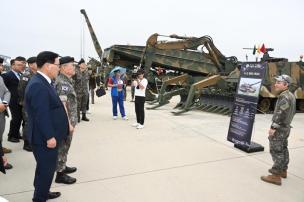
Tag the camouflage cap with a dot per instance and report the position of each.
(284, 78)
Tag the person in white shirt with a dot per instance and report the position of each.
(140, 85)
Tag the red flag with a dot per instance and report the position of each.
(263, 49)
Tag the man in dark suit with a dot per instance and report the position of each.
(47, 123)
(11, 80)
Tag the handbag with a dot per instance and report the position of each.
(100, 91)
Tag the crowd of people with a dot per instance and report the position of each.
(47, 96)
(34, 108)
(50, 97)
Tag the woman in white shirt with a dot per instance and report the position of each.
(140, 85)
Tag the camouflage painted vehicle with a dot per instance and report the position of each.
(268, 94)
(198, 72)
(213, 96)
(212, 88)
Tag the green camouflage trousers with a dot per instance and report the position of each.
(82, 104)
(25, 122)
(63, 150)
(278, 149)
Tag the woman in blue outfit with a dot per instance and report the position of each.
(117, 94)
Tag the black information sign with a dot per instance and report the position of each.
(245, 104)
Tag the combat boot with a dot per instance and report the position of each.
(274, 179)
(69, 170)
(64, 178)
(84, 117)
(282, 174)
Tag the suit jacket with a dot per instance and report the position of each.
(47, 117)
(11, 82)
(5, 95)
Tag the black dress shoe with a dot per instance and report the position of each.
(64, 178)
(53, 195)
(84, 118)
(69, 170)
(13, 139)
(27, 147)
(8, 166)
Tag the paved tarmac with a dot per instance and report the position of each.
(173, 159)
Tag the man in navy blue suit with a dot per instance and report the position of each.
(47, 123)
(11, 80)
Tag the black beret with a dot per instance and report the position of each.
(31, 60)
(66, 59)
(81, 61)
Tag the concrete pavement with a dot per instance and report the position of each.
(173, 159)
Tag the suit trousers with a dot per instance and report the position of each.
(16, 112)
(46, 160)
(2, 125)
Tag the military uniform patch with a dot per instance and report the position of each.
(25, 79)
(64, 88)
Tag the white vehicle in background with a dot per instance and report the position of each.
(6, 63)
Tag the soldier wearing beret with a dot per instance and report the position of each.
(65, 90)
(81, 79)
(279, 130)
(24, 79)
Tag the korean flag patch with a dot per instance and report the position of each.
(65, 88)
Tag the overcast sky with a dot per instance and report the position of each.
(28, 27)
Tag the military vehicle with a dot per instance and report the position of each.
(248, 88)
(202, 76)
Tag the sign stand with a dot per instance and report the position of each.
(253, 147)
(245, 106)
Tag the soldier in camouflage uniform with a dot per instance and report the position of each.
(65, 89)
(81, 79)
(24, 79)
(279, 131)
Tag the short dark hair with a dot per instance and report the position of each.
(12, 62)
(31, 60)
(20, 58)
(140, 71)
(1, 60)
(46, 57)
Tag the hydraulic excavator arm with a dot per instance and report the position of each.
(190, 43)
(93, 35)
